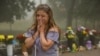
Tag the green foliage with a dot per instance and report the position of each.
(59, 7)
(81, 8)
(87, 9)
(11, 8)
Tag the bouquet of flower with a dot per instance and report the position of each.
(6, 39)
(21, 38)
(2, 38)
(9, 39)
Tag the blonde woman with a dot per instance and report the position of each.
(44, 33)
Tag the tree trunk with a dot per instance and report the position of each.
(70, 13)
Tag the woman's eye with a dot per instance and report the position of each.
(43, 16)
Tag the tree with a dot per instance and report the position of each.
(64, 9)
(14, 8)
(70, 13)
(59, 8)
(89, 10)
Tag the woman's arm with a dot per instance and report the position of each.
(47, 42)
(30, 41)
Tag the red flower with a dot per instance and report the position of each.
(20, 37)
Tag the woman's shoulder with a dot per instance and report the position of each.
(54, 29)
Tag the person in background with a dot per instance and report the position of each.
(44, 33)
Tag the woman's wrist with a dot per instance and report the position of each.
(35, 35)
(41, 32)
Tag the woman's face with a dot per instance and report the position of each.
(42, 17)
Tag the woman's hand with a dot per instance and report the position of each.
(41, 27)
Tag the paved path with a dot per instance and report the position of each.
(95, 52)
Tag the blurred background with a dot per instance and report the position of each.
(16, 16)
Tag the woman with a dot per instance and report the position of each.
(44, 33)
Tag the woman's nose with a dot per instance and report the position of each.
(39, 17)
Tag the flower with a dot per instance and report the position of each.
(2, 38)
(6, 38)
(9, 39)
(20, 38)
